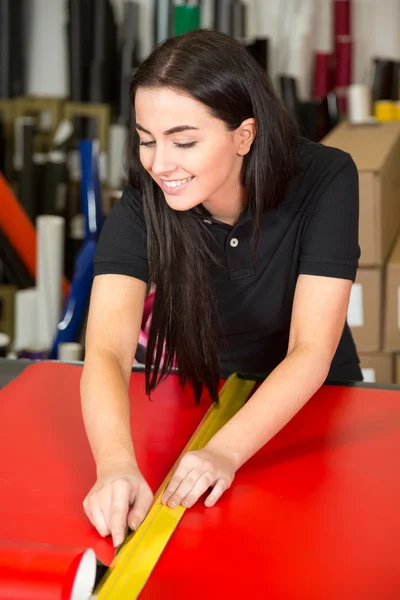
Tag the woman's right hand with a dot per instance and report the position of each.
(120, 497)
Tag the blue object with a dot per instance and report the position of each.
(70, 326)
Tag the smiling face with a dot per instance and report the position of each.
(191, 154)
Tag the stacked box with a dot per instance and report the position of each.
(375, 150)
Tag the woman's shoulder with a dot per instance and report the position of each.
(320, 159)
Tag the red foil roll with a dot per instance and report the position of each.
(343, 47)
(43, 572)
(322, 74)
(342, 17)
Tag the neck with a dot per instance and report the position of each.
(227, 211)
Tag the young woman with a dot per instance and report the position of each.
(250, 236)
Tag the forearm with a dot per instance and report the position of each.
(105, 408)
(294, 381)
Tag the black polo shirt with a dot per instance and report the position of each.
(313, 231)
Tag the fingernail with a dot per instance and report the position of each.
(172, 505)
(116, 541)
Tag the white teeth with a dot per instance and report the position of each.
(177, 183)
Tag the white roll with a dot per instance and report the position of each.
(50, 268)
(146, 27)
(25, 319)
(69, 352)
(118, 135)
(207, 14)
(47, 72)
(323, 26)
(359, 103)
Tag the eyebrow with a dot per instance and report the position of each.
(177, 129)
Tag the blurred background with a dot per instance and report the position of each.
(65, 68)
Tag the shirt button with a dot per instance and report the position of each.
(234, 242)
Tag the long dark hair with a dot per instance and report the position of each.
(218, 71)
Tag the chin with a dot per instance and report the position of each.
(180, 203)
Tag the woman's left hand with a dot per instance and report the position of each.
(196, 473)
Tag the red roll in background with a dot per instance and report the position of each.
(342, 17)
(19, 230)
(47, 468)
(343, 62)
(322, 74)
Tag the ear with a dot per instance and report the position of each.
(247, 133)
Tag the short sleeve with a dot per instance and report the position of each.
(330, 239)
(122, 245)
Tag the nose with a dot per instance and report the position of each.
(162, 161)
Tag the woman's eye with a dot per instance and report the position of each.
(147, 144)
(188, 145)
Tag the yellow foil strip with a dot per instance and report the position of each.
(138, 556)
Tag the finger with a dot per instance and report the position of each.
(141, 505)
(99, 521)
(219, 488)
(175, 482)
(198, 490)
(119, 510)
(185, 488)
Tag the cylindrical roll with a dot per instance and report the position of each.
(207, 14)
(4, 344)
(162, 21)
(117, 141)
(323, 27)
(186, 18)
(38, 571)
(385, 110)
(223, 20)
(342, 17)
(322, 75)
(238, 26)
(25, 319)
(69, 352)
(359, 103)
(50, 261)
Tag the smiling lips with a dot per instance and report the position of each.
(176, 183)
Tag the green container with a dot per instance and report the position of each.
(186, 18)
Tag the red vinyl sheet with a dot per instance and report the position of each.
(47, 467)
(313, 515)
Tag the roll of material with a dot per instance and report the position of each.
(25, 319)
(323, 42)
(342, 17)
(69, 352)
(238, 25)
(50, 261)
(14, 267)
(322, 75)
(259, 48)
(186, 18)
(118, 137)
(4, 344)
(359, 103)
(382, 79)
(207, 14)
(146, 29)
(395, 94)
(385, 110)
(162, 20)
(47, 70)
(223, 16)
(343, 61)
(129, 59)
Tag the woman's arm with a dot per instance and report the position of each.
(113, 328)
(318, 317)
